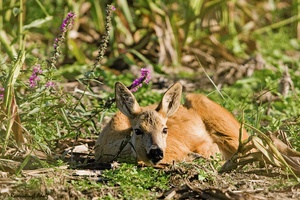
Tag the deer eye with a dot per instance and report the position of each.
(138, 131)
(165, 131)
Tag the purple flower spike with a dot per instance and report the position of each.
(50, 84)
(137, 83)
(34, 78)
(112, 7)
(68, 21)
(66, 24)
(37, 70)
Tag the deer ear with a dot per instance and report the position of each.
(171, 100)
(125, 100)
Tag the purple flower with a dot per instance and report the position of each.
(50, 84)
(137, 83)
(55, 43)
(146, 73)
(112, 7)
(37, 70)
(68, 21)
(34, 78)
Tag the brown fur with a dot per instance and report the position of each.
(200, 126)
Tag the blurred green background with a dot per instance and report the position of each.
(169, 35)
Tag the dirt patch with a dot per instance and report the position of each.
(200, 180)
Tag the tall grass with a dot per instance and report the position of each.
(10, 116)
(219, 28)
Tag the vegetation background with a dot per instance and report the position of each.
(243, 54)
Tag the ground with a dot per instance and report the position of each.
(195, 180)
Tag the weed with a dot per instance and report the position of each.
(137, 182)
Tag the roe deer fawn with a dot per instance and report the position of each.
(168, 131)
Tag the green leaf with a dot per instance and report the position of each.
(15, 11)
(35, 110)
(6, 44)
(77, 52)
(37, 23)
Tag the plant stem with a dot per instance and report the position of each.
(20, 33)
(277, 25)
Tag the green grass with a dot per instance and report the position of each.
(137, 182)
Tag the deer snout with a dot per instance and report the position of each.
(155, 154)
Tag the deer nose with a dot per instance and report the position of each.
(156, 154)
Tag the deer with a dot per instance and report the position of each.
(169, 131)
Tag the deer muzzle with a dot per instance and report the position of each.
(155, 154)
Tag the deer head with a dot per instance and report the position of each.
(149, 126)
